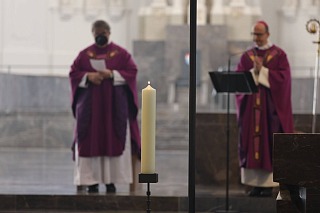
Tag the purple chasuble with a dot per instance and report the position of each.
(102, 111)
(266, 112)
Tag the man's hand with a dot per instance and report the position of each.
(107, 74)
(257, 64)
(95, 77)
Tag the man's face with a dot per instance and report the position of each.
(260, 35)
(101, 32)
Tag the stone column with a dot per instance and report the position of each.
(1, 31)
(289, 8)
(256, 10)
(92, 9)
(309, 6)
(303, 4)
(238, 3)
(217, 13)
(157, 13)
(67, 9)
(116, 8)
(176, 13)
(239, 20)
(201, 12)
(158, 3)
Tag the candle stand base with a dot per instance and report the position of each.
(148, 178)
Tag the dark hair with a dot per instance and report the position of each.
(100, 24)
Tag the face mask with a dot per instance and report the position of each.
(101, 40)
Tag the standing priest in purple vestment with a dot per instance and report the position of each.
(263, 113)
(105, 106)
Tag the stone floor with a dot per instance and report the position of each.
(40, 180)
(50, 171)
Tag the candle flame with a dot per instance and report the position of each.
(148, 82)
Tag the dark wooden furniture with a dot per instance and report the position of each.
(296, 167)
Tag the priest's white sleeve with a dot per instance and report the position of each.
(118, 79)
(264, 77)
(83, 82)
(255, 77)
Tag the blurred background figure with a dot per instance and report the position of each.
(263, 113)
(105, 106)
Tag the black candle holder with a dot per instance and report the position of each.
(148, 178)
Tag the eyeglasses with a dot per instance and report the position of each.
(257, 34)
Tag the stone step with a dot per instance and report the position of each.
(172, 145)
(172, 128)
(55, 129)
(173, 134)
(132, 203)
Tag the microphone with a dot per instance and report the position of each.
(220, 77)
(227, 87)
(235, 54)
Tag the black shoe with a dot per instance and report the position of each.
(255, 192)
(266, 192)
(81, 188)
(93, 188)
(111, 188)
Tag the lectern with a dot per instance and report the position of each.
(231, 82)
(296, 167)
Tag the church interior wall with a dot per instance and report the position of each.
(287, 21)
(1, 33)
(20, 40)
(35, 108)
(52, 36)
(299, 43)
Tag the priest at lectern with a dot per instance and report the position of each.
(263, 113)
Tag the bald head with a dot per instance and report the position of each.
(260, 33)
(263, 23)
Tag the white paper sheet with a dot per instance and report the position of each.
(98, 64)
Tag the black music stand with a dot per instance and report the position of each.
(231, 82)
(239, 82)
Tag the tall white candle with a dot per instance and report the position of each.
(148, 130)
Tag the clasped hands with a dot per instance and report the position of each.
(257, 64)
(97, 77)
